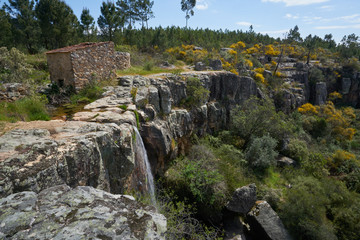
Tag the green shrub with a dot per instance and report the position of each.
(149, 65)
(197, 176)
(261, 152)
(26, 109)
(298, 150)
(196, 93)
(181, 223)
(304, 212)
(314, 165)
(258, 117)
(13, 66)
(89, 93)
(316, 75)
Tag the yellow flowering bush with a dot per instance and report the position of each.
(337, 120)
(308, 108)
(238, 45)
(232, 52)
(271, 50)
(259, 70)
(334, 95)
(278, 74)
(260, 77)
(267, 66)
(249, 63)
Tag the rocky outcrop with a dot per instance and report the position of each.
(320, 93)
(83, 212)
(215, 64)
(40, 155)
(96, 149)
(200, 66)
(243, 199)
(350, 87)
(266, 224)
(10, 92)
(155, 103)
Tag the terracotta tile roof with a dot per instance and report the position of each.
(75, 47)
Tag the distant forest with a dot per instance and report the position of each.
(36, 26)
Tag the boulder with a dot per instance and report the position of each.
(216, 64)
(243, 199)
(266, 224)
(285, 162)
(200, 66)
(60, 212)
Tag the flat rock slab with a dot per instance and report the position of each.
(80, 213)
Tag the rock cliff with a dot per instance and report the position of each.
(63, 213)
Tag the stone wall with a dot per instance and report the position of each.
(80, 64)
(60, 69)
(10, 92)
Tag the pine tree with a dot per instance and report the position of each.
(58, 23)
(187, 6)
(5, 29)
(109, 20)
(87, 22)
(24, 24)
(145, 12)
(129, 10)
(294, 35)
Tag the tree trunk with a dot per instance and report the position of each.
(279, 60)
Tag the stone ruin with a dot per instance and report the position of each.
(76, 66)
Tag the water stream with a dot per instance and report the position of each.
(143, 162)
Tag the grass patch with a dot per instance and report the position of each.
(123, 107)
(26, 109)
(88, 94)
(141, 70)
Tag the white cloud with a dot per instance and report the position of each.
(351, 18)
(357, 26)
(290, 16)
(327, 8)
(202, 5)
(245, 24)
(290, 3)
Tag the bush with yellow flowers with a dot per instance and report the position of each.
(271, 50)
(188, 53)
(327, 117)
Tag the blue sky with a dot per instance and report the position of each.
(275, 17)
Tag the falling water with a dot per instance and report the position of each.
(142, 158)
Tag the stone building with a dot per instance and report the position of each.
(80, 64)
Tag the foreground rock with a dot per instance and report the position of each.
(243, 199)
(266, 224)
(81, 213)
(40, 155)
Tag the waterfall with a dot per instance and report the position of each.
(144, 166)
